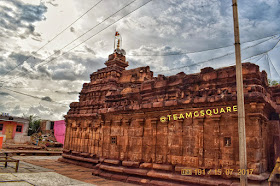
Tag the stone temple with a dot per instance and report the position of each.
(131, 126)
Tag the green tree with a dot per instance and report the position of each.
(34, 124)
(273, 82)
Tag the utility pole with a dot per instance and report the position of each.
(240, 98)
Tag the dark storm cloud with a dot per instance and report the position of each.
(73, 92)
(30, 29)
(4, 94)
(40, 110)
(75, 67)
(64, 75)
(261, 10)
(17, 110)
(57, 52)
(14, 59)
(43, 71)
(47, 98)
(161, 60)
(72, 29)
(259, 18)
(18, 57)
(155, 51)
(52, 2)
(22, 17)
(29, 13)
(88, 49)
(70, 93)
(26, 68)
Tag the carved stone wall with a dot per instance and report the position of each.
(116, 126)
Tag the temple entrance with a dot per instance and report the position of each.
(9, 131)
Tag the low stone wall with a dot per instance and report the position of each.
(21, 139)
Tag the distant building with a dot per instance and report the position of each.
(59, 131)
(47, 126)
(14, 128)
(57, 128)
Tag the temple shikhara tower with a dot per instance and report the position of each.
(131, 126)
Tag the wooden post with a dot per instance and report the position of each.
(6, 158)
(17, 165)
(240, 98)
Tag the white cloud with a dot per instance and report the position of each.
(163, 27)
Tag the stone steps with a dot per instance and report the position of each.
(114, 169)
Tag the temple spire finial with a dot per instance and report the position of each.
(118, 44)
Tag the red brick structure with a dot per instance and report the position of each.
(116, 129)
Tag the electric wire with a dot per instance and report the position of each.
(259, 59)
(84, 34)
(199, 51)
(201, 62)
(75, 47)
(269, 60)
(265, 51)
(32, 96)
(96, 33)
(268, 65)
(196, 63)
(53, 38)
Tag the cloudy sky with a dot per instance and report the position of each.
(163, 34)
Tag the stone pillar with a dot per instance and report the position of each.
(212, 142)
(75, 138)
(79, 137)
(135, 135)
(82, 137)
(106, 134)
(90, 138)
(99, 138)
(87, 141)
(199, 144)
(125, 146)
(229, 141)
(148, 143)
(115, 131)
(176, 151)
(273, 143)
(67, 135)
(72, 135)
(162, 147)
(154, 122)
(257, 138)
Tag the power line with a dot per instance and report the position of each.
(259, 59)
(201, 62)
(268, 65)
(97, 32)
(54, 37)
(199, 51)
(265, 51)
(32, 96)
(86, 33)
(269, 60)
(174, 68)
(75, 47)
